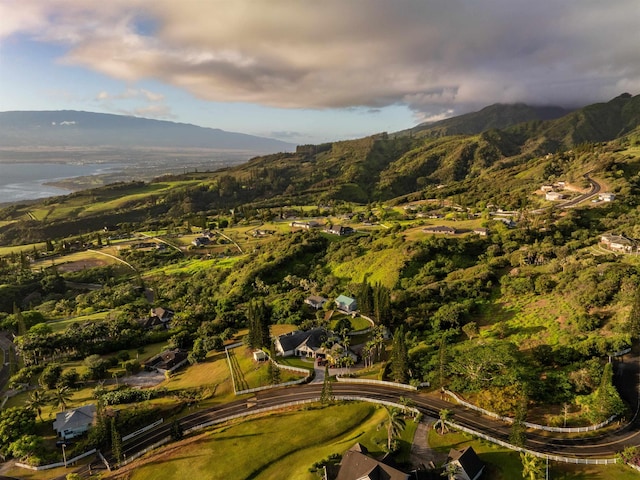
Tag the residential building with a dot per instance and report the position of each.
(346, 304)
(468, 465)
(315, 301)
(356, 464)
(73, 423)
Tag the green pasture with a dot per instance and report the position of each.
(60, 325)
(28, 248)
(275, 443)
(379, 264)
(357, 323)
(252, 374)
(530, 319)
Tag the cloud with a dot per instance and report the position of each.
(434, 57)
(153, 104)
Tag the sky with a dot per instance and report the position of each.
(313, 71)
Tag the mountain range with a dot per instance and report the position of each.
(69, 128)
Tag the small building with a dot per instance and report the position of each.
(346, 304)
(483, 232)
(260, 356)
(554, 196)
(315, 301)
(73, 423)
(167, 361)
(356, 464)
(607, 197)
(440, 229)
(546, 188)
(468, 465)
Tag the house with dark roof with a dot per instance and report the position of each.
(356, 464)
(467, 464)
(346, 304)
(73, 423)
(301, 343)
(617, 243)
(316, 343)
(340, 230)
(167, 361)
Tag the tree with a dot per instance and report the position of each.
(394, 424)
(633, 321)
(50, 376)
(25, 446)
(399, 357)
(36, 401)
(116, 441)
(470, 330)
(445, 416)
(62, 397)
(176, 431)
(14, 423)
(518, 434)
(532, 466)
(326, 395)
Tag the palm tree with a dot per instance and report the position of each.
(62, 397)
(36, 401)
(394, 424)
(532, 466)
(445, 415)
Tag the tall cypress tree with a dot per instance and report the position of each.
(399, 357)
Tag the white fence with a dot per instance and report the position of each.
(555, 458)
(375, 382)
(142, 430)
(56, 465)
(266, 387)
(534, 426)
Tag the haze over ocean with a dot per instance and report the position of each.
(26, 181)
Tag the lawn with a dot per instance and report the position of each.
(223, 452)
(60, 325)
(251, 374)
(504, 464)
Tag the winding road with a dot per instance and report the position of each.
(598, 445)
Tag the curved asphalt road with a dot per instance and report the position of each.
(603, 445)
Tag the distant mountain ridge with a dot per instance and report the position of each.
(496, 116)
(71, 128)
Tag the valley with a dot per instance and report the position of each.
(496, 260)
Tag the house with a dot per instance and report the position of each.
(167, 361)
(468, 465)
(315, 343)
(315, 301)
(607, 197)
(164, 314)
(554, 196)
(483, 232)
(73, 423)
(301, 343)
(201, 241)
(340, 230)
(346, 304)
(306, 225)
(356, 464)
(617, 243)
(440, 229)
(546, 188)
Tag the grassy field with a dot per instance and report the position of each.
(60, 325)
(222, 453)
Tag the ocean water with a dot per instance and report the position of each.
(25, 181)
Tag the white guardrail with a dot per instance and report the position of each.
(142, 430)
(555, 458)
(375, 382)
(534, 426)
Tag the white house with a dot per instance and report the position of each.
(73, 423)
(607, 197)
(554, 196)
(315, 301)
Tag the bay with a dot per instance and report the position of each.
(26, 181)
